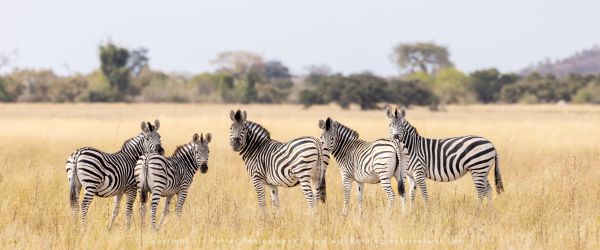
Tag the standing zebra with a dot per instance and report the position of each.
(445, 159)
(364, 162)
(105, 175)
(279, 164)
(168, 176)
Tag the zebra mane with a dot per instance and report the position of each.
(409, 128)
(344, 130)
(258, 131)
(133, 143)
(181, 149)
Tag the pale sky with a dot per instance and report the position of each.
(348, 36)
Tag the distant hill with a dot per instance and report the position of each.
(583, 62)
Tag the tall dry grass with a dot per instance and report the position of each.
(549, 160)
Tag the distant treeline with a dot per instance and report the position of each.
(428, 78)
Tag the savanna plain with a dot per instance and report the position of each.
(549, 157)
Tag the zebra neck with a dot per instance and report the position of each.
(412, 140)
(342, 149)
(132, 147)
(257, 136)
(345, 137)
(184, 158)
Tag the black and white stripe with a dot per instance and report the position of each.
(445, 159)
(105, 174)
(279, 164)
(364, 162)
(169, 176)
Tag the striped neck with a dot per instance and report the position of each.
(344, 135)
(411, 138)
(133, 147)
(256, 136)
(185, 154)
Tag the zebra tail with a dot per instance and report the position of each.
(400, 166)
(145, 189)
(497, 177)
(74, 180)
(320, 173)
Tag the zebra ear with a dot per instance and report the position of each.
(156, 125)
(208, 137)
(196, 137)
(150, 127)
(321, 124)
(403, 112)
(388, 112)
(328, 123)
(144, 127)
(239, 116)
(232, 115)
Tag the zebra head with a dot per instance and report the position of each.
(238, 131)
(329, 133)
(151, 139)
(200, 148)
(397, 127)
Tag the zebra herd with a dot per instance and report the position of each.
(141, 167)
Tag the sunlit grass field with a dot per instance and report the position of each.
(549, 157)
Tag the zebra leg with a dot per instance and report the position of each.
(412, 186)
(488, 192)
(115, 212)
(166, 211)
(391, 196)
(305, 185)
(347, 183)
(420, 179)
(274, 196)
(154, 207)
(85, 203)
(131, 194)
(180, 201)
(359, 195)
(259, 186)
(480, 182)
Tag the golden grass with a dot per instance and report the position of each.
(549, 161)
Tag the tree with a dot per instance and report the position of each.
(138, 59)
(487, 84)
(7, 58)
(452, 86)
(276, 70)
(239, 63)
(366, 90)
(407, 92)
(114, 65)
(424, 57)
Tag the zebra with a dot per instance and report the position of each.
(168, 176)
(445, 160)
(364, 162)
(279, 164)
(105, 174)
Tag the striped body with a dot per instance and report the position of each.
(449, 159)
(168, 176)
(301, 161)
(109, 174)
(445, 160)
(364, 162)
(97, 167)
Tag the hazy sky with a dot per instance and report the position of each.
(348, 36)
